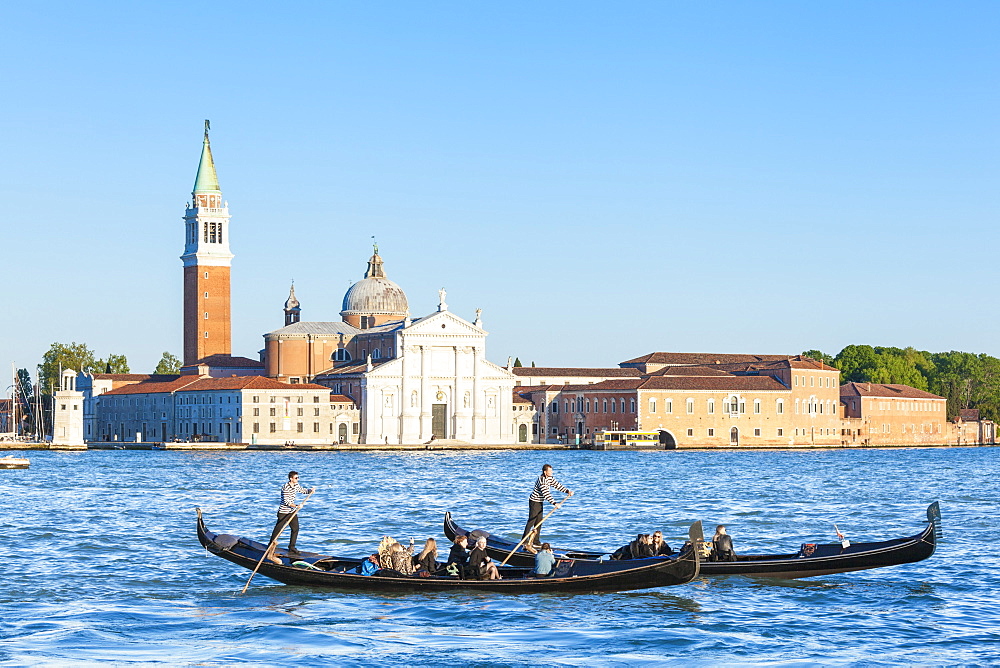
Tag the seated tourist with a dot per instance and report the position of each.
(659, 546)
(458, 556)
(642, 546)
(480, 564)
(544, 561)
(370, 566)
(401, 559)
(427, 560)
(722, 546)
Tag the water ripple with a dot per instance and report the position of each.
(103, 566)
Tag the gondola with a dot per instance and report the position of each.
(812, 559)
(570, 575)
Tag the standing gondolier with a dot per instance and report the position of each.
(539, 495)
(289, 504)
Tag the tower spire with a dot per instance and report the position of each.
(292, 309)
(207, 180)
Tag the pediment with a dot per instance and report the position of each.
(452, 325)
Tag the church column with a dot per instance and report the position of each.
(461, 410)
(478, 401)
(409, 428)
(425, 396)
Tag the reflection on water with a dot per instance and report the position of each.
(103, 564)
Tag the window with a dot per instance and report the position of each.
(781, 432)
(206, 315)
(274, 427)
(690, 406)
(298, 411)
(796, 381)
(811, 379)
(315, 412)
(341, 355)
(298, 427)
(652, 405)
(273, 410)
(690, 432)
(711, 406)
(614, 405)
(605, 406)
(756, 409)
(256, 412)
(631, 405)
(756, 432)
(376, 354)
(316, 399)
(256, 427)
(711, 432)
(316, 427)
(668, 406)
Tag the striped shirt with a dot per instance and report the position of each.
(288, 492)
(541, 491)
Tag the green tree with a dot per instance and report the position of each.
(25, 396)
(169, 363)
(59, 357)
(517, 361)
(819, 356)
(114, 364)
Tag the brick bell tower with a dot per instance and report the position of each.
(207, 325)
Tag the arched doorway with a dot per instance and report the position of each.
(342, 432)
(734, 436)
(667, 441)
(522, 434)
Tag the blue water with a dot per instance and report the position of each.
(102, 564)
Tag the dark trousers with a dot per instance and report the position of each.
(281, 524)
(535, 510)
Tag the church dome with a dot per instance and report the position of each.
(375, 295)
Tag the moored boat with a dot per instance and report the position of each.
(811, 559)
(570, 575)
(12, 462)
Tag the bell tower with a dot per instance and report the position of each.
(206, 258)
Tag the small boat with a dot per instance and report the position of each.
(570, 575)
(12, 462)
(812, 559)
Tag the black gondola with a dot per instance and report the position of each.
(570, 575)
(811, 560)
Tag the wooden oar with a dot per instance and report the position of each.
(531, 532)
(274, 543)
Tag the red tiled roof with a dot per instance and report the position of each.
(597, 372)
(521, 399)
(340, 399)
(154, 387)
(853, 389)
(689, 371)
(137, 377)
(202, 384)
(603, 386)
(713, 383)
(229, 362)
(248, 383)
(702, 358)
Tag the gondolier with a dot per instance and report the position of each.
(289, 503)
(541, 493)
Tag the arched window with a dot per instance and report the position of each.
(341, 355)
(605, 403)
(376, 354)
(734, 404)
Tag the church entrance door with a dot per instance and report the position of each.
(439, 421)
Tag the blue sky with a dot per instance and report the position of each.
(602, 179)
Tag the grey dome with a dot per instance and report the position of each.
(375, 294)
